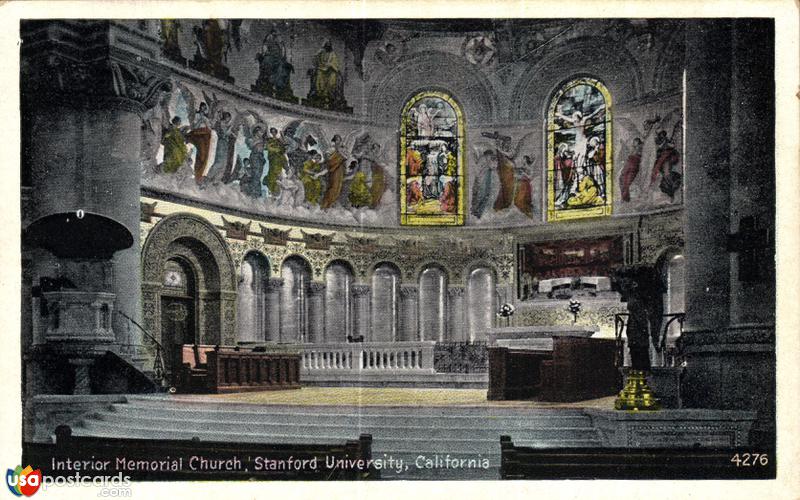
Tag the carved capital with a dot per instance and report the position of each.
(316, 288)
(409, 292)
(360, 290)
(274, 284)
(455, 291)
(65, 62)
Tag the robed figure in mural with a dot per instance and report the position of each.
(667, 158)
(274, 71)
(335, 165)
(174, 141)
(327, 84)
(203, 138)
(171, 48)
(312, 172)
(276, 155)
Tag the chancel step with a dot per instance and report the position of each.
(423, 437)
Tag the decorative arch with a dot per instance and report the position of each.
(385, 287)
(195, 241)
(432, 161)
(579, 151)
(614, 65)
(339, 279)
(433, 69)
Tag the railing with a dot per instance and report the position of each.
(368, 356)
(667, 353)
(460, 357)
(158, 363)
(237, 370)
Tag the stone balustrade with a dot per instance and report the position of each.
(414, 357)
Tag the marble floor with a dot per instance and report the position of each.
(370, 396)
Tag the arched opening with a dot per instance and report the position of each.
(579, 166)
(385, 292)
(432, 161)
(338, 302)
(178, 308)
(252, 301)
(481, 303)
(432, 303)
(675, 296)
(296, 274)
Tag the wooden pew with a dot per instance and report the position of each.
(177, 460)
(239, 371)
(219, 369)
(518, 462)
(576, 369)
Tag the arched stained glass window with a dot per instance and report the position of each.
(432, 181)
(579, 171)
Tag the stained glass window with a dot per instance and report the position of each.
(432, 161)
(579, 172)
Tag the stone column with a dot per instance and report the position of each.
(273, 323)
(707, 167)
(83, 141)
(316, 312)
(409, 313)
(456, 323)
(361, 311)
(83, 383)
(728, 337)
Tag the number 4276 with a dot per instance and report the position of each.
(750, 459)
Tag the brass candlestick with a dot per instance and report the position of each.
(637, 395)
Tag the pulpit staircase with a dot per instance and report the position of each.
(406, 433)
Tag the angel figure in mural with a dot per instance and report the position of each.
(305, 146)
(173, 138)
(661, 150)
(276, 147)
(250, 179)
(486, 184)
(312, 173)
(506, 166)
(335, 167)
(255, 140)
(523, 194)
(339, 170)
(667, 157)
(369, 179)
(203, 137)
(632, 152)
(378, 183)
(292, 192)
(225, 129)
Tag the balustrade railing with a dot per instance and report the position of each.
(368, 356)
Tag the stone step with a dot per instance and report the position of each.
(310, 416)
(303, 435)
(356, 426)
